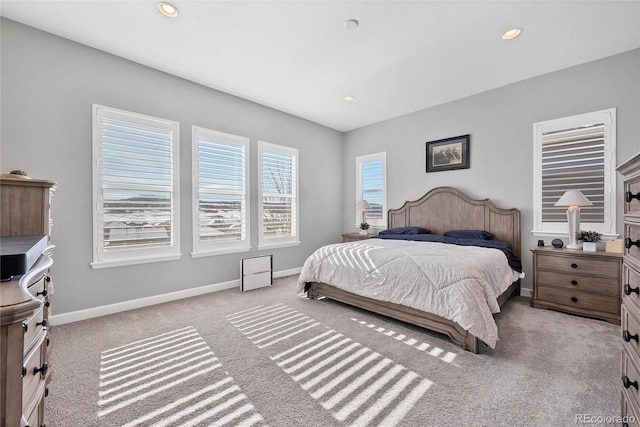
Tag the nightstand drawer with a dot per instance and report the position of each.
(579, 301)
(579, 264)
(604, 285)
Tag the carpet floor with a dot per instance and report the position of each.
(271, 357)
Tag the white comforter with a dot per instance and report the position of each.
(459, 283)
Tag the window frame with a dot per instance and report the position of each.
(286, 241)
(559, 229)
(381, 156)
(201, 249)
(102, 258)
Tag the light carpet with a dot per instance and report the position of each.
(271, 357)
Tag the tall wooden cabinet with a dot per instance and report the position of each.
(24, 306)
(630, 310)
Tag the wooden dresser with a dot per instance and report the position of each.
(24, 306)
(630, 330)
(578, 282)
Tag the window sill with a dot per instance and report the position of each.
(554, 235)
(220, 251)
(276, 245)
(133, 261)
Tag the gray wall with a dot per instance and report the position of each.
(48, 85)
(500, 122)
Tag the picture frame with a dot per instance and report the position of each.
(448, 154)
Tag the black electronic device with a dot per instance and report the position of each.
(19, 253)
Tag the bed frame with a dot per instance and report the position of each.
(441, 209)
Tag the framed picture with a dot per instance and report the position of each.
(448, 154)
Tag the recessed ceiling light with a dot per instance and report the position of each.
(511, 34)
(167, 9)
(348, 98)
(351, 24)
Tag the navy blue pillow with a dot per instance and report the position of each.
(406, 230)
(469, 234)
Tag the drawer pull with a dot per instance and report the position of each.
(47, 279)
(46, 392)
(628, 243)
(24, 371)
(627, 383)
(574, 265)
(44, 293)
(628, 290)
(574, 282)
(626, 335)
(45, 368)
(44, 323)
(25, 327)
(574, 299)
(47, 304)
(628, 196)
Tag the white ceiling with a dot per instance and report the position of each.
(298, 57)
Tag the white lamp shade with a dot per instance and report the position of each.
(573, 198)
(362, 204)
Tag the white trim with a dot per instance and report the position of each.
(90, 313)
(526, 292)
(202, 249)
(134, 261)
(102, 259)
(277, 244)
(219, 251)
(382, 156)
(294, 239)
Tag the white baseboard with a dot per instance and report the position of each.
(525, 292)
(75, 316)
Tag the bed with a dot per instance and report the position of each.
(440, 210)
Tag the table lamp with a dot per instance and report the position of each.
(573, 200)
(363, 206)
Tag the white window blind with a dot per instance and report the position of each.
(371, 186)
(135, 188)
(278, 176)
(575, 153)
(573, 159)
(220, 187)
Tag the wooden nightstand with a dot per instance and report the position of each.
(578, 282)
(352, 237)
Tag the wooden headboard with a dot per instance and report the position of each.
(445, 208)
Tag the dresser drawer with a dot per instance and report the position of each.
(605, 285)
(32, 327)
(630, 329)
(630, 377)
(34, 371)
(633, 186)
(631, 232)
(628, 410)
(579, 302)
(579, 265)
(631, 288)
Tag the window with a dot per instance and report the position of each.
(278, 181)
(575, 153)
(221, 199)
(371, 178)
(135, 186)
